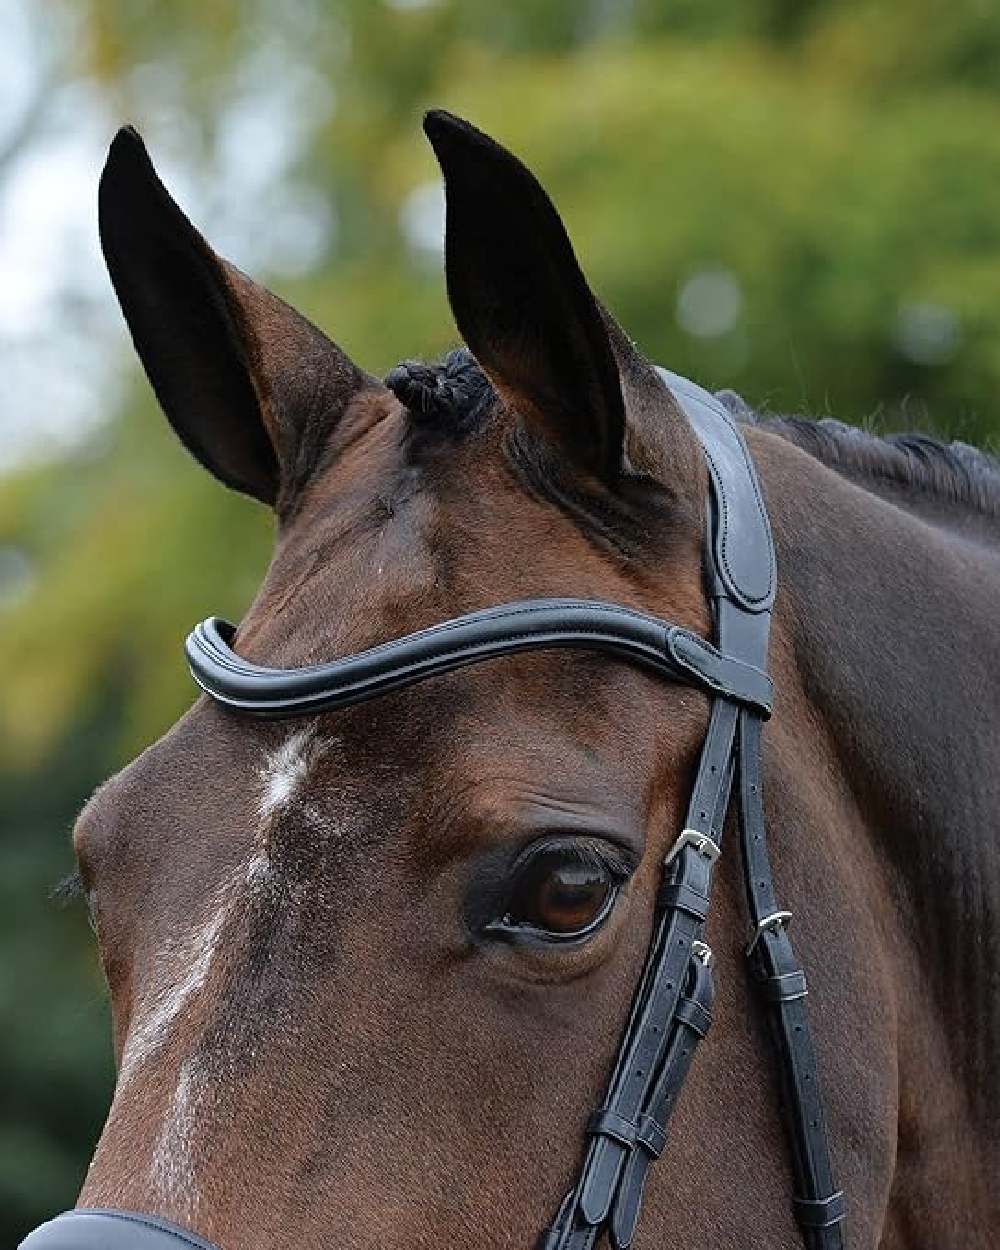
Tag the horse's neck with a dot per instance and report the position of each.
(889, 628)
(894, 624)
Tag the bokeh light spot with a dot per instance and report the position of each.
(928, 334)
(709, 303)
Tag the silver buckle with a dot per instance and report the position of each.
(702, 952)
(774, 920)
(701, 842)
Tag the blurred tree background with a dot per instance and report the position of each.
(797, 200)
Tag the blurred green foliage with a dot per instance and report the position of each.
(797, 200)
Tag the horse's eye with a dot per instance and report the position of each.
(559, 892)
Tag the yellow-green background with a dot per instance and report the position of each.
(837, 163)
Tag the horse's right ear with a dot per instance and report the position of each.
(249, 385)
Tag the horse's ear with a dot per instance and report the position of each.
(249, 385)
(521, 301)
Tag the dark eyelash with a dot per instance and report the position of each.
(590, 853)
(69, 890)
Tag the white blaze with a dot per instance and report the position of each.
(189, 960)
(284, 772)
(163, 1007)
(173, 1167)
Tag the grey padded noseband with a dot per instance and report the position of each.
(88, 1228)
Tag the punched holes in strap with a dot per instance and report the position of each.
(693, 1016)
(820, 1212)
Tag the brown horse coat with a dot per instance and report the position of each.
(317, 1044)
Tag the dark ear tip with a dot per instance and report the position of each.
(130, 197)
(127, 156)
(126, 143)
(448, 132)
(439, 122)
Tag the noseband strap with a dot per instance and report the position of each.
(672, 1007)
(89, 1228)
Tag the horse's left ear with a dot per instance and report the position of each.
(521, 301)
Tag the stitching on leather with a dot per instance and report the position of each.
(486, 615)
(207, 640)
(668, 662)
(725, 661)
(229, 660)
(696, 640)
(708, 401)
(633, 647)
(752, 474)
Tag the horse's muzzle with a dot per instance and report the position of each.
(92, 1229)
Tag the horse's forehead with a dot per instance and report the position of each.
(396, 539)
(344, 572)
(388, 541)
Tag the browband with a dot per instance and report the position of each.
(742, 563)
(534, 624)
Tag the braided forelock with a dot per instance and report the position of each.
(452, 394)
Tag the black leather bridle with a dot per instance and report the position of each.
(672, 1007)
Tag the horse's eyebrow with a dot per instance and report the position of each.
(531, 808)
(600, 824)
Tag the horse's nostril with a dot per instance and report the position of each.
(91, 1229)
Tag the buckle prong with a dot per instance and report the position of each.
(776, 919)
(702, 952)
(701, 842)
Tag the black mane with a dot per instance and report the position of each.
(955, 472)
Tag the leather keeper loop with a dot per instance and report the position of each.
(820, 1212)
(651, 1135)
(694, 1015)
(608, 1123)
(784, 989)
(683, 898)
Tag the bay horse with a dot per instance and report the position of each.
(324, 1034)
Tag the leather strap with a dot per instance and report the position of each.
(741, 581)
(819, 1206)
(609, 1189)
(624, 1145)
(667, 650)
(743, 549)
(693, 1017)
